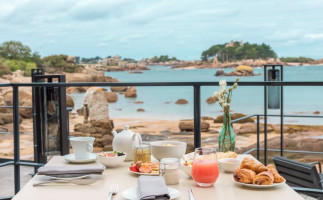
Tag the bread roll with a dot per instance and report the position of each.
(249, 163)
(244, 175)
(277, 177)
(264, 178)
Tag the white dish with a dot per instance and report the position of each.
(139, 173)
(229, 164)
(111, 161)
(173, 149)
(259, 186)
(132, 193)
(71, 158)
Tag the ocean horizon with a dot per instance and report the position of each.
(159, 102)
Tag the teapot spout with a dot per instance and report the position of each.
(114, 133)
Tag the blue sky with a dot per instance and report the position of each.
(145, 28)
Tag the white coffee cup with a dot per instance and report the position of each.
(82, 147)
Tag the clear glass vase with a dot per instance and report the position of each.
(227, 138)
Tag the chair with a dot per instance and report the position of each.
(302, 177)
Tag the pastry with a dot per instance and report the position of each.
(277, 177)
(264, 178)
(145, 168)
(249, 163)
(244, 175)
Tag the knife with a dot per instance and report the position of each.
(191, 193)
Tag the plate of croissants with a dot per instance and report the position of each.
(254, 174)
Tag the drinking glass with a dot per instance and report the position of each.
(205, 169)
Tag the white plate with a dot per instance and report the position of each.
(71, 158)
(259, 186)
(132, 193)
(138, 173)
(69, 177)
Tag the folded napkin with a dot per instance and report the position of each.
(56, 170)
(152, 187)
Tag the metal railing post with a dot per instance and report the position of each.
(258, 130)
(265, 117)
(15, 102)
(281, 116)
(197, 116)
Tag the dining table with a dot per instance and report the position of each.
(223, 189)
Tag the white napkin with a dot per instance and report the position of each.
(152, 188)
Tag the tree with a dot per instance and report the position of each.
(235, 51)
(15, 50)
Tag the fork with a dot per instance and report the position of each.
(113, 191)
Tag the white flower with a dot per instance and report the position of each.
(216, 96)
(226, 105)
(223, 83)
(221, 101)
(222, 90)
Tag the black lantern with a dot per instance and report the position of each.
(274, 91)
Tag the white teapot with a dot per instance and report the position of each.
(125, 141)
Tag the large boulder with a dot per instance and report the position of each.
(181, 101)
(219, 72)
(71, 59)
(118, 88)
(69, 101)
(111, 97)
(7, 118)
(188, 125)
(131, 92)
(97, 104)
(25, 99)
(219, 118)
(210, 100)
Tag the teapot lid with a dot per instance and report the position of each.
(126, 130)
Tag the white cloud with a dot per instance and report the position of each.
(145, 28)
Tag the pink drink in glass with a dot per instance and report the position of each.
(205, 169)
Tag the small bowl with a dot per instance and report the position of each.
(187, 170)
(111, 161)
(175, 149)
(229, 164)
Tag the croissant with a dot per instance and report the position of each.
(249, 163)
(244, 175)
(277, 177)
(264, 178)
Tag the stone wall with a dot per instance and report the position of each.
(101, 130)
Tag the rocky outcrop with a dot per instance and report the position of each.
(210, 100)
(25, 99)
(219, 72)
(131, 92)
(71, 59)
(88, 77)
(219, 118)
(181, 101)
(69, 101)
(97, 104)
(101, 130)
(140, 110)
(118, 88)
(111, 97)
(241, 70)
(7, 118)
(188, 125)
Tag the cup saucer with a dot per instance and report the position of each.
(71, 158)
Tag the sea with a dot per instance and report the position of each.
(159, 102)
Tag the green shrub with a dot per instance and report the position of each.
(296, 59)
